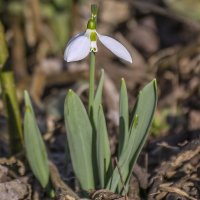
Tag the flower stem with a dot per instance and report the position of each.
(92, 66)
(94, 11)
(91, 81)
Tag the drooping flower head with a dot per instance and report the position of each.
(83, 43)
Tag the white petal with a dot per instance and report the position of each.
(77, 49)
(116, 47)
(72, 39)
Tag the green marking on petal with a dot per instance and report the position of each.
(93, 36)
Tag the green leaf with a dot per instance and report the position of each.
(140, 124)
(80, 140)
(11, 105)
(98, 98)
(123, 118)
(142, 121)
(34, 145)
(94, 121)
(3, 47)
(103, 149)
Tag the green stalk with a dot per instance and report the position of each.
(92, 65)
(91, 82)
(94, 11)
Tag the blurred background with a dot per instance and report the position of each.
(162, 37)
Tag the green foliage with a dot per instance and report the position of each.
(98, 98)
(79, 135)
(3, 47)
(103, 149)
(94, 119)
(138, 131)
(35, 148)
(88, 136)
(12, 111)
(123, 118)
(10, 98)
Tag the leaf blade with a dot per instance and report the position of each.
(79, 134)
(103, 149)
(149, 91)
(94, 121)
(98, 98)
(138, 134)
(34, 145)
(123, 118)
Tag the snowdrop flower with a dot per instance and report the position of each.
(83, 43)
